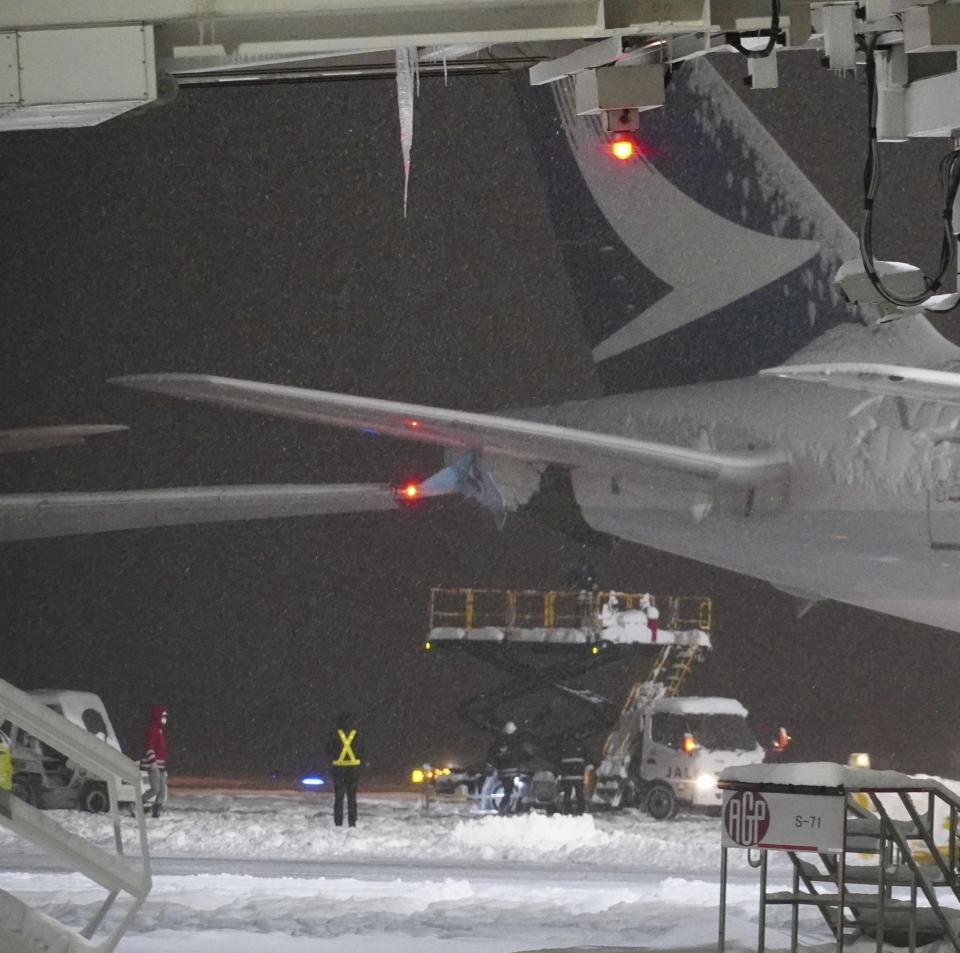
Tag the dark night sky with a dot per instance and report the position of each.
(257, 233)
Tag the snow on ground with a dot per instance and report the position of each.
(265, 874)
(301, 828)
(456, 914)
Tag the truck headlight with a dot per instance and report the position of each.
(706, 781)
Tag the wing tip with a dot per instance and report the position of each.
(163, 382)
(94, 430)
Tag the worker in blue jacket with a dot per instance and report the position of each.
(508, 756)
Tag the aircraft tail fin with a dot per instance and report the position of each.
(712, 254)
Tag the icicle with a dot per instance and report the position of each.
(406, 60)
(446, 83)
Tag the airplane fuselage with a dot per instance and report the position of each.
(869, 515)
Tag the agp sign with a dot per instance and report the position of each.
(746, 818)
(783, 821)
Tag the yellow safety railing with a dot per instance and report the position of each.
(554, 608)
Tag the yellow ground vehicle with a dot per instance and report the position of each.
(47, 779)
(6, 764)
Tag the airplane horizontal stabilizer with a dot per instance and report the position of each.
(916, 383)
(482, 433)
(40, 438)
(38, 515)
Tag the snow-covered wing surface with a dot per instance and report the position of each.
(40, 438)
(916, 383)
(38, 515)
(494, 434)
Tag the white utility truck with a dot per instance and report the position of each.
(664, 753)
(45, 778)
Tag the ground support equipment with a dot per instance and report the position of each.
(549, 643)
(889, 872)
(24, 930)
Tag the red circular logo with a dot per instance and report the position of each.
(746, 818)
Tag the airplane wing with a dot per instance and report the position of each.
(916, 383)
(38, 515)
(486, 433)
(39, 438)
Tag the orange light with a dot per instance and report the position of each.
(411, 491)
(689, 743)
(784, 738)
(622, 149)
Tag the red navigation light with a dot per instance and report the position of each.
(412, 424)
(408, 492)
(623, 148)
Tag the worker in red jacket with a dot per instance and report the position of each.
(154, 760)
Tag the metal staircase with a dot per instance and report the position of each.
(895, 881)
(25, 930)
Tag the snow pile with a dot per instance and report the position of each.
(535, 836)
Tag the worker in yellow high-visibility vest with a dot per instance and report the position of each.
(6, 765)
(345, 754)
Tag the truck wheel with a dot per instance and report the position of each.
(25, 789)
(93, 798)
(660, 802)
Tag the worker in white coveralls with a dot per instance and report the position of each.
(637, 625)
(652, 613)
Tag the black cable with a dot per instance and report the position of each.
(950, 180)
(736, 39)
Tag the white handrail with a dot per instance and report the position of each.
(70, 740)
(22, 929)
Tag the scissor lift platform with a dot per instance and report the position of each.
(560, 618)
(549, 641)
